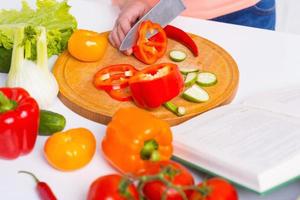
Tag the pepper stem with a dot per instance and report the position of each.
(150, 151)
(31, 174)
(6, 104)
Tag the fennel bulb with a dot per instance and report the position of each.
(34, 77)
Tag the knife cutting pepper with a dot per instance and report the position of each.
(155, 85)
(113, 76)
(19, 121)
(135, 139)
(150, 50)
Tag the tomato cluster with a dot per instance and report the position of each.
(163, 180)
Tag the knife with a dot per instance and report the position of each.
(162, 13)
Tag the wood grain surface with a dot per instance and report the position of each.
(78, 93)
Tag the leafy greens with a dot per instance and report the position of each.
(52, 15)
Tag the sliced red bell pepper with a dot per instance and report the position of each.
(181, 37)
(150, 50)
(19, 120)
(113, 77)
(156, 85)
(120, 94)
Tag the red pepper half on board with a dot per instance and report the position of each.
(150, 50)
(19, 120)
(155, 85)
(113, 76)
(182, 37)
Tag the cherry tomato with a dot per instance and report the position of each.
(216, 189)
(154, 190)
(112, 187)
(71, 149)
(87, 45)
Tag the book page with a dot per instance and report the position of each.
(285, 101)
(243, 137)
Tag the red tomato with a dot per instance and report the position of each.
(218, 189)
(154, 190)
(108, 187)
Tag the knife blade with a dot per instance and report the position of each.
(162, 13)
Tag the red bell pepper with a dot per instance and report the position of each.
(155, 85)
(113, 77)
(19, 120)
(150, 50)
(182, 37)
(120, 94)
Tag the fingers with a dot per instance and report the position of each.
(114, 38)
(129, 14)
(128, 52)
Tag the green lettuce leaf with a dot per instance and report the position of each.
(53, 15)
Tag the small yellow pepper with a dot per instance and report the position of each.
(70, 150)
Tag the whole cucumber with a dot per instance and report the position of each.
(51, 122)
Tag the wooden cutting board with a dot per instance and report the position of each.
(78, 93)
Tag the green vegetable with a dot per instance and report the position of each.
(177, 110)
(190, 79)
(195, 94)
(186, 70)
(206, 79)
(53, 15)
(5, 59)
(177, 55)
(51, 122)
(33, 76)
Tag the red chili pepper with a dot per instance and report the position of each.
(155, 85)
(114, 77)
(150, 50)
(182, 37)
(44, 191)
(19, 120)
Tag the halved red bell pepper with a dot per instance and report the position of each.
(182, 37)
(19, 120)
(122, 94)
(150, 50)
(156, 85)
(113, 76)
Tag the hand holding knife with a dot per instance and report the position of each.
(162, 13)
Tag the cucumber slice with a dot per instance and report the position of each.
(177, 110)
(195, 94)
(190, 79)
(186, 70)
(206, 79)
(177, 56)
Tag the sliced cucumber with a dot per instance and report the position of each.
(177, 110)
(206, 79)
(190, 79)
(177, 55)
(195, 94)
(186, 70)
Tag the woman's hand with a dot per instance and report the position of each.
(131, 11)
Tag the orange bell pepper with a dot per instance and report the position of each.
(70, 150)
(135, 139)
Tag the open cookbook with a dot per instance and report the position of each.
(255, 144)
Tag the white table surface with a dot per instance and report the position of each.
(266, 60)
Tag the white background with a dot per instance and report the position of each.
(266, 60)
